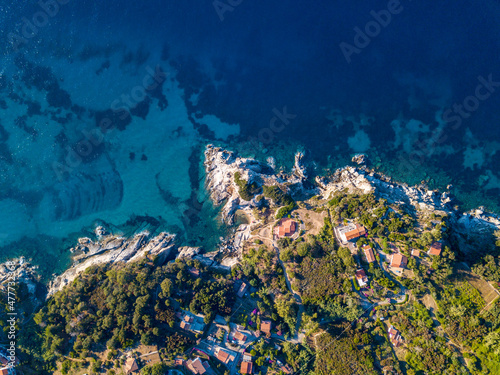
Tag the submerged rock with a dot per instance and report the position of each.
(359, 159)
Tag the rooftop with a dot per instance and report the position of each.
(398, 260)
(265, 326)
(246, 367)
(355, 233)
(240, 336)
(197, 366)
(369, 253)
(286, 228)
(435, 248)
(131, 366)
(360, 274)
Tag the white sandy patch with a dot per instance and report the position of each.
(360, 142)
(407, 132)
(493, 181)
(473, 158)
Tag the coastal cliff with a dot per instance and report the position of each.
(221, 168)
(113, 249)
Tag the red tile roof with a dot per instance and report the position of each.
(360, 274)
(398, 260)
(369, 253)
(265, 326)
(131, 366)
(286, 228)
(240, 336)
(355, 233)
(246, 367)
(435, 248)
(222, 356)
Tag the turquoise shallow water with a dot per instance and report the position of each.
(105, 108)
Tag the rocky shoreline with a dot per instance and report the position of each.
(221, 166)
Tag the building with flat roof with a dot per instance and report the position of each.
(242, 290)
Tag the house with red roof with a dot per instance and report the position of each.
(351, 232)
(197, 366)
(361, 277)
(367, 249)
(286, 228)
(246, 368)
(398, 262)
(394, 336)
(435, 249)
(266, 326)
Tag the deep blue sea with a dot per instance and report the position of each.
(105, 107)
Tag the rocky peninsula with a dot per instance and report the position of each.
(221, 166)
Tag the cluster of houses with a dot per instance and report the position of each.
(397, 261)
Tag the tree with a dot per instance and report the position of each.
(492, 341)
(166, 288)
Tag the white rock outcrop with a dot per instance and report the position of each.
(221, 166)
(357, 180)
(111, 249)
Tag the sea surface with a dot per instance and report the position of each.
(106, 107)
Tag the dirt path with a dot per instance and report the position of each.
(296, 296)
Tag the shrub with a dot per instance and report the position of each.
(247, 191)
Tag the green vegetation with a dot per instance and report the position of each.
(247, 191)
(116, 308)
(280, 199)
(446, 325)
(261, 267)
(344, 351)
